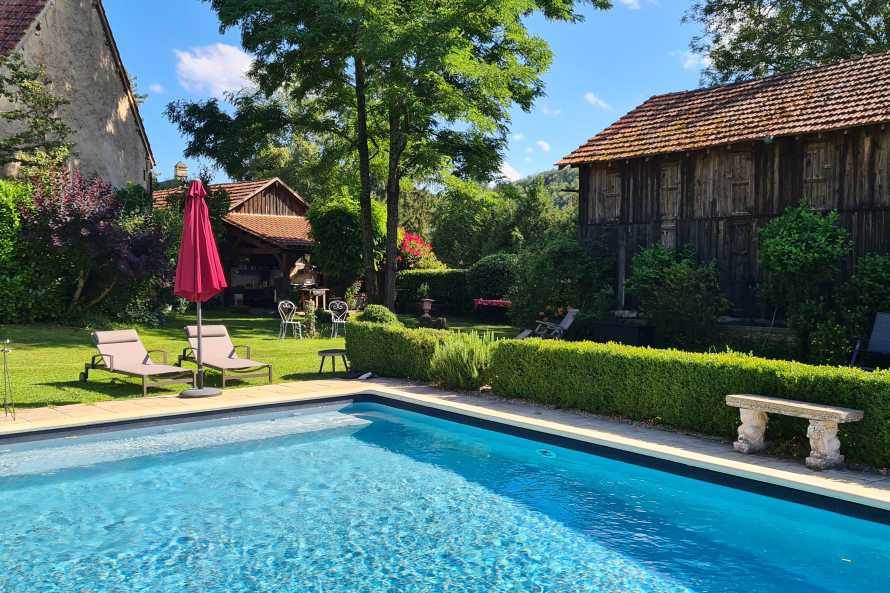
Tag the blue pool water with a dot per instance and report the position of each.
(366, 498)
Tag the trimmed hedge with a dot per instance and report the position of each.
(392, 350)
(684, 390)
(447, 287)
(687, 390)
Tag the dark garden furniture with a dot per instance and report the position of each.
(333, 353)
(878, 342)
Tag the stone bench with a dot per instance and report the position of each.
(822, 432)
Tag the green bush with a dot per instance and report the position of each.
(392, 350)
(687, 390)
(462, 360)
(493, 276)
(800, 255)
(378, 314)
(560, 274)
(337, 230)
(679, 295)
(447, 287)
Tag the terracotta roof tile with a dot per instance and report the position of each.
(16, 17)
(842, 95)
(286, 231)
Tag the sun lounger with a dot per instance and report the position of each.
(878, 342)
(547, 330)
(221, 354)
(122, 352)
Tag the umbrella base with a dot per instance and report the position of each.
(201, 392)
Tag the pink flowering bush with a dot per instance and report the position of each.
(415, 253)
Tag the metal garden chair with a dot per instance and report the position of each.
(287, 310)
(339, 311)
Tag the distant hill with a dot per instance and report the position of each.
(553, 179)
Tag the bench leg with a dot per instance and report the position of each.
(321, 366)
(751, 432)
(825, 447)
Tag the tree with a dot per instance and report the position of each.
(469, 223)
(336, 224)
(423, 81)
(256, 139)
(750, 38)
(35, 135)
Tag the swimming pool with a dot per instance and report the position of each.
(368, 498)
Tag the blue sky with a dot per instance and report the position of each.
(601, 69)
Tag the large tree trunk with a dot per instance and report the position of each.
(393, 194)
(364, 163)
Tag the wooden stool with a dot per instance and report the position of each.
(333, 354)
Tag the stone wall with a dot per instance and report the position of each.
(70, 40)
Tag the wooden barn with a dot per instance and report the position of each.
(708, 168)
(268, 244)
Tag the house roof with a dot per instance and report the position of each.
(239, 191)
(17, 17)
(842, 95)
(283, 231)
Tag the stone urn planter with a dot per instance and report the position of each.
(426, 305)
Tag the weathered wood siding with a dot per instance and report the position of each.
(716, 200)
(274, 200)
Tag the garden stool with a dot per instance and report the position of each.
(333, 354)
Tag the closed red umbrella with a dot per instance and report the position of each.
(199, 273)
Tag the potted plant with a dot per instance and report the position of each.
(426, 303)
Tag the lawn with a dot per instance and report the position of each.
(47, 359)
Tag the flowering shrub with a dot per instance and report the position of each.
(415, 253)
(80, 231)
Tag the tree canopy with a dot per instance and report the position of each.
(750, 38)
(422, 84)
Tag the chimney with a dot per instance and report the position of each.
(181, 171)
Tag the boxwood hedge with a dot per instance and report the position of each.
(683, 390)
(392, 350)
(687, 390)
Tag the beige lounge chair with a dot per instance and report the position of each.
(122, 352)
(221, 355)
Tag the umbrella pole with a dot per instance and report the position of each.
(200, 390)
(200, 351)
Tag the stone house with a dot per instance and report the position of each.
(710, 167)
(72, 39)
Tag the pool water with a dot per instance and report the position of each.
(367, 498)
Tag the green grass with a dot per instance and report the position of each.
(47, 359)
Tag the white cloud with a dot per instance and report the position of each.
(519, 137)
(156, 88)
(635, 4)
(692, 61)
(549, 111)
(544, 146)
(591, 98)
(529, 150)
(509, 172)
(528, 159)
(213, 69)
